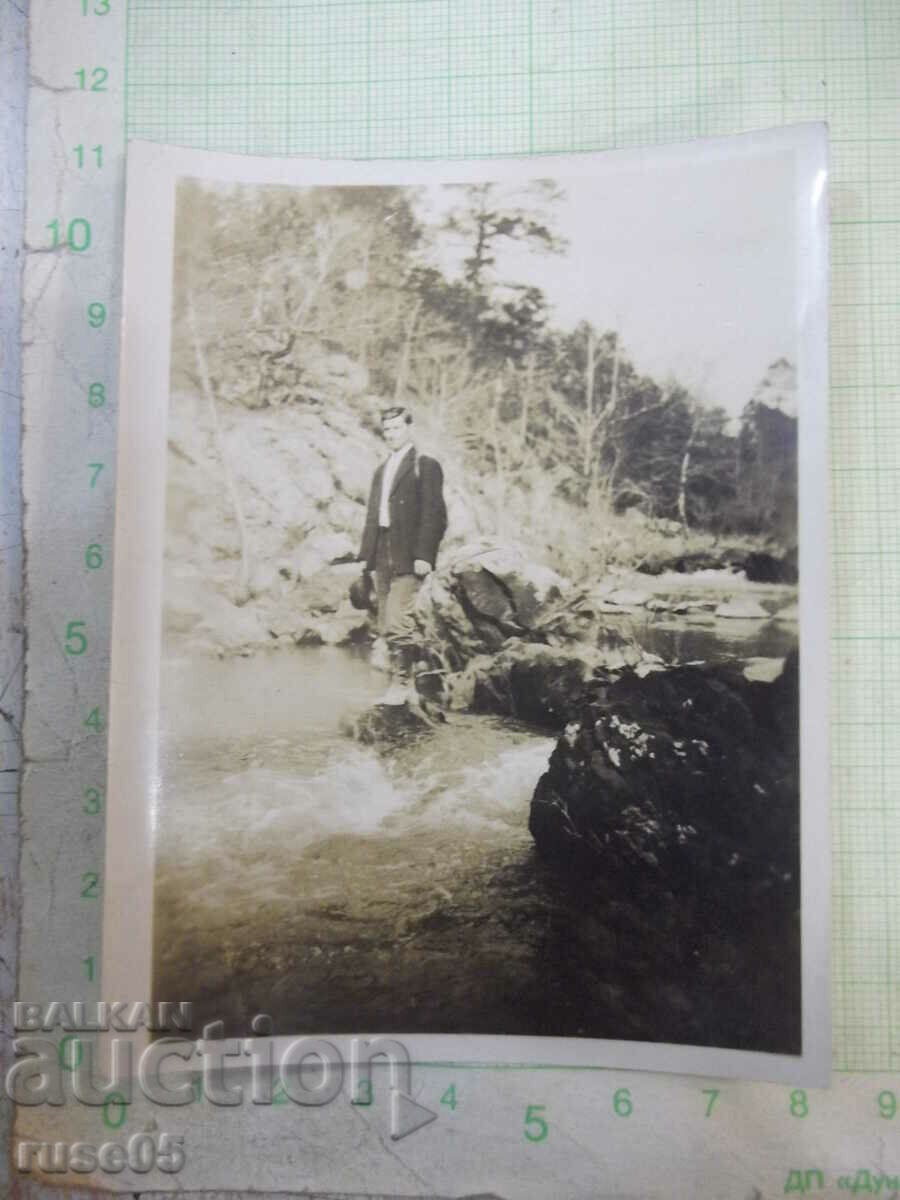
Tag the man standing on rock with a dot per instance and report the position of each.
(405, 522)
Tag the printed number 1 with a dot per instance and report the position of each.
(713, 1094)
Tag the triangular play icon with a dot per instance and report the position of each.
(407, 1116)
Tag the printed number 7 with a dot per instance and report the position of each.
(713, 1094)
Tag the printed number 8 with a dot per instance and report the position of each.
(799, 1104)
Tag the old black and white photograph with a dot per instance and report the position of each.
(490, 596)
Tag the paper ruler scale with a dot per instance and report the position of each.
(337, 79)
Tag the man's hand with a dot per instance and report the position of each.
(422, 568)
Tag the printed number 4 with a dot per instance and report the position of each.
(536, 1128)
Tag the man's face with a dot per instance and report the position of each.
(396, 432)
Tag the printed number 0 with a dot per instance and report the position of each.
(536, 1128)
(799, 1104)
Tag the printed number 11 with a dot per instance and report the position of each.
(97, 152)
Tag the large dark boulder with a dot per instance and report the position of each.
(684, 781)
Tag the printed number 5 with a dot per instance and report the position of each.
(76, 642)
(536, 1128)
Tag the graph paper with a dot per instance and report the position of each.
(439, 78)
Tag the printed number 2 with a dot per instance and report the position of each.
(536, 1128)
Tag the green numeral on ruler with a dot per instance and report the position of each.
(536, 1128)
(97, 152)
(93, 801)
(713, 1094)
(94, 720)
(799, 1103)
(76, 642)
(98, 77)
(78, 234)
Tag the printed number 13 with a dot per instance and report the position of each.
(100, 9)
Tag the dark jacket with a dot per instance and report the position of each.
(418, 514)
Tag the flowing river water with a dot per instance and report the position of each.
(340, 887)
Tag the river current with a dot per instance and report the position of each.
(340, 887)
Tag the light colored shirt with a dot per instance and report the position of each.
(387, 482)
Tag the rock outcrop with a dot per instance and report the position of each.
(487, 595)
(685, 781)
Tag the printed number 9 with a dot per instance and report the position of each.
(96, 314)
(887, 1105)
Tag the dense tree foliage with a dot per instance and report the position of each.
(269, 279)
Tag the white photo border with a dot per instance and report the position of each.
(133, 784)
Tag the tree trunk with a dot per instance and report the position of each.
(590, 371)
(403, 365)
(683, 475)
(499, 465)
(526, 399)
(243, 592)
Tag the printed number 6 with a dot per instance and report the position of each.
(536, 1128)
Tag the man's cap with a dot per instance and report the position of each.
(395, 410)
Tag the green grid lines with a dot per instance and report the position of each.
(466, 78)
